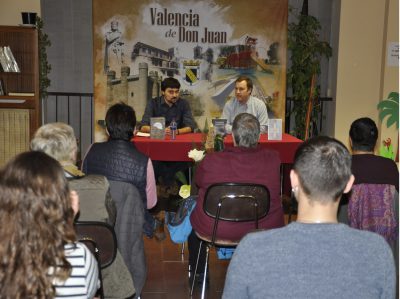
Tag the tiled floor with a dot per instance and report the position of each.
(167, 275)
(167, 272)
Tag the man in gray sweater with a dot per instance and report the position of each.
(314, 257)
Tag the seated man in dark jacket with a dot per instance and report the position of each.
(119, 160)
(171, 106)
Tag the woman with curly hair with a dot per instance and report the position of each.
(39, 255)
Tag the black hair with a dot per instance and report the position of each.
(121, 121)
(323, 165)
(170, 83)
(363, 133)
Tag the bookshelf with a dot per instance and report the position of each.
(23, 42)
(19, 112)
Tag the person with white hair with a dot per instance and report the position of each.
(58, 141)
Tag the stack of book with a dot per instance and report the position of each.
(7, 60)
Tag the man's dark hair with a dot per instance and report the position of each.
(246, 130)
(170, 83)
(323, 165)
(363, 133)
(121, 121)
(249, 83)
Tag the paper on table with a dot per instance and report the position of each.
(141, 134)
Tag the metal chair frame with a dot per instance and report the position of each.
(260, 211)
(86, 233)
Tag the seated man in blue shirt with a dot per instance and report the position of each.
(245, 102)
(170, 106)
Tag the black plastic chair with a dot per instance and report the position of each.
(233, 202)
(100, 239)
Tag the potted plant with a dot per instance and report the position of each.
(306, 52)
(44, 66)
(390, 108)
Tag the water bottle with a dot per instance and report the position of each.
(174, 126)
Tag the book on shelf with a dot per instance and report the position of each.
(14, 64)
(7, 60)
(21, 94)
(3, 61)
(1, 88)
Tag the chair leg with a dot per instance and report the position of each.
(205, 273)
(195, 269)
(183, 249)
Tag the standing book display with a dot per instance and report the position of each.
(157, 127)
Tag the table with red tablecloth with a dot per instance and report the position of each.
(177, 150)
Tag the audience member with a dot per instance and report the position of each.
(367, 167)
(119, 160)
(245, 102)
(373, 201)
(58, 141)
(40, 257)
(314, 257)
(243, 163)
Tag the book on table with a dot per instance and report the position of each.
(219, 126)
(157, 127)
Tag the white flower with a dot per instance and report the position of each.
(196, 155)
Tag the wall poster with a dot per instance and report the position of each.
(205, 44)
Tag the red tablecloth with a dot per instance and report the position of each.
(177, 150)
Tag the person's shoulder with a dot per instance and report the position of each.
(183, 101)
(230, 102)
(257, 100)
(363, 238)
(154, 101)
(211, 157)
(385, 160)
(75, 249)
(367, 159)
(90, 181)
(98, 145)
(269, 153)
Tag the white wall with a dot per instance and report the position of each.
(362, 76)
(10, 10)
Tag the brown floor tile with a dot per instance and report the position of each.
(168, 275)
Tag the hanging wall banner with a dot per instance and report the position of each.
(206, 45)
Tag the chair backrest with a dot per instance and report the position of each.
(103, 235)
(372, 207)
(237, 201)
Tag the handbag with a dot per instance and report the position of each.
(178, 223)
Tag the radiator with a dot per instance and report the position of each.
(14, 133)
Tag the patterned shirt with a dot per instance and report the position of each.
(83, 281)
(253, 106)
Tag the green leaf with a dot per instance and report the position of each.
(394, 96)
